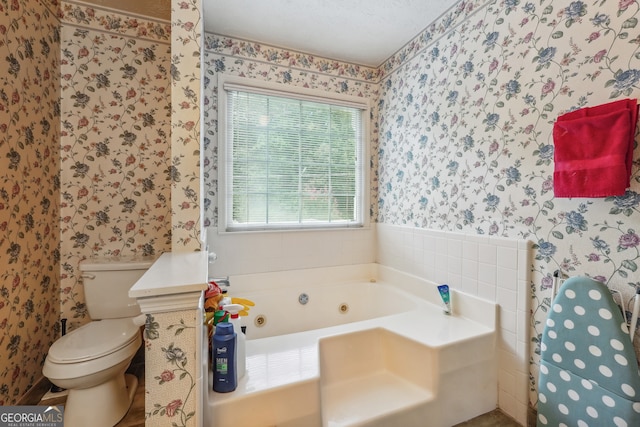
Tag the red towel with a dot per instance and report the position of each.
(594, 150)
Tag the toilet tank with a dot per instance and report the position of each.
(107, 282)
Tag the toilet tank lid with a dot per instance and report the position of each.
(130, 262)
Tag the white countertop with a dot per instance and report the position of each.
(173, 273)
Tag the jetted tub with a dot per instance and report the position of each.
(303, 307)
(361, 345)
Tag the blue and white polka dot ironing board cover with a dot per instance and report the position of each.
(588, 372)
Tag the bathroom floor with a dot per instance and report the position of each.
(495, 418)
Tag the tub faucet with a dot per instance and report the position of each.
(222, 281)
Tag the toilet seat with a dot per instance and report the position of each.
(94, 340)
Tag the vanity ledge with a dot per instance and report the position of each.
(173, 273)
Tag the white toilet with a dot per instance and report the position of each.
(90, 362)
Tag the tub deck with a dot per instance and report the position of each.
(346, 375)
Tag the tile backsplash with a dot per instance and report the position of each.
(245, 253)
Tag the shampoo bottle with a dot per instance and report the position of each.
(234, 310)
(225, 376)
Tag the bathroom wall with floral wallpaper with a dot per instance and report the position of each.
(465, 135)
(87, 164)
(115, 141)
(29, 191)
(461, 141)
(462, 132)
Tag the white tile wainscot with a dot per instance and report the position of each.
(170, 293)
(493, 268)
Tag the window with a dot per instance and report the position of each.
(289, 159)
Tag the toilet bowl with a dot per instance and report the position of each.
(91, 362)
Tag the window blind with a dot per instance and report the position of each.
(291, 161)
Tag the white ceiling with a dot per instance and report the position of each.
(364, 32)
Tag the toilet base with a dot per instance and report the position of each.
(100, 406)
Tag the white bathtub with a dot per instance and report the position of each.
(371, 347)
(279, 312)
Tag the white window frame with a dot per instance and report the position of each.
(228, 82)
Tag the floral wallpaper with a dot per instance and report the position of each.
(170, 368)
(172, 357)
(186, 165)
(29, 191)
(88, 169)
(115, 143)
(465, 135)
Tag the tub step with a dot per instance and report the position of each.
(368, 399)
